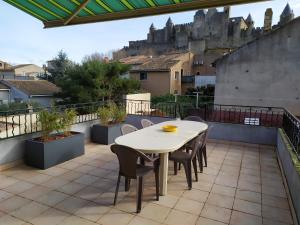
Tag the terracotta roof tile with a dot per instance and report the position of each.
(160, 63)
(34, 87)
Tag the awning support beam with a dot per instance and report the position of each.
(158, 10)
(79, 8)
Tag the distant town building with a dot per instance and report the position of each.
(160, 75)
(39, 91)
(20, 72)
(264, 72)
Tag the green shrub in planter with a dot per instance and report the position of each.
(110, 118)
(104, 115)
(57, 144)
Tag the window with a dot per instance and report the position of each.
(175, 92)
(176, 75)
(143, 75)
(0, 64)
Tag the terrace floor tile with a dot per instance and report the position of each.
(242, 185)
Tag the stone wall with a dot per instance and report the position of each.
(264, 72)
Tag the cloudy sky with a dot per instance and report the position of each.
(23, 39)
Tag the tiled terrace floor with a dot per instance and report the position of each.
(242, 185)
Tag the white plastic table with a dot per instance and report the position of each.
(153, 140)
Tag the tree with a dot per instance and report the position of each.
(58, 66)
(94, 80)
(94, 57)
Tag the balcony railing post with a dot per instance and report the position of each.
(205, 111)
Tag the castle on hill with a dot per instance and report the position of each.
(210, 30)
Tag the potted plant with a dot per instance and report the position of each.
(57, 143)
(111, 118)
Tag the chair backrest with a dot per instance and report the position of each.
(146, 123)
(128, 158)
(194, 118)
(127, 128)
(197, 143)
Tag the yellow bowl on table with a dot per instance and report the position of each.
(169, 128)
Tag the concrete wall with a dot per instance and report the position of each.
(138, 103)
(243, 133)
(291, 174)
(264, 72)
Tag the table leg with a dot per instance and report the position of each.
(163, 173)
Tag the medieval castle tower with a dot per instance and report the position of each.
(210, 29)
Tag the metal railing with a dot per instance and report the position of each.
(291, 126)
(26, 121)
(248, 115)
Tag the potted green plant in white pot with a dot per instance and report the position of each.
(111, 118)
(57, 143)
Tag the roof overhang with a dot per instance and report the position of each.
(55, 13)
(149, 70)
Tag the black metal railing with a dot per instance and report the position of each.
(147, 108)
(291, 126)
(25, 121)
(248, 115)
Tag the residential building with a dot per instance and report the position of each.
(4, 94)
(264, 72)
(4, 65)
(39, 91)
(134, 62)
(162, 74)
(20, 72)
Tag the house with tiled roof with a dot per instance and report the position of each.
(40, 91)
(162, 74)
(20, 72)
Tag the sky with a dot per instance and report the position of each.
(24, 40)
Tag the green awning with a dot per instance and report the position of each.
(55, 13)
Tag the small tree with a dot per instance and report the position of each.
(66, 121)
(111, 114)
(95, 80)
(58, 67)
(49, 121)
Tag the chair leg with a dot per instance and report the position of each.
(157, 183)
(175, 168)
(179, 166)
(140, 187)
(189, 166)
(127, 184)
(117, 190)
(195, 168)
(188, 173)
(204, 155)
(200, 160)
